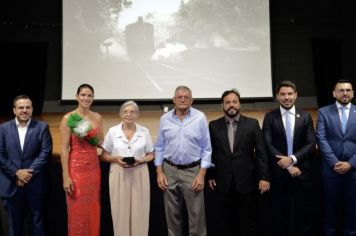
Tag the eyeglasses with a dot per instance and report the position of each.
(183, 97)
(344, 90)
(129, 112)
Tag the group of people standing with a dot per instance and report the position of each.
(127, 146)
(232, 155)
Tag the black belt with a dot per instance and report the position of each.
(182, 167)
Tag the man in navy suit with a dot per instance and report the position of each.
(290, 163)
(241, 167)
(25, 149)
(336, 134)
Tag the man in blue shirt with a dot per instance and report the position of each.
(182, 155)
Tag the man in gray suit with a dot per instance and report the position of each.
(336, 134)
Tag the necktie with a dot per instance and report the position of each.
(289, 134)
(343, 119)
(231, 134)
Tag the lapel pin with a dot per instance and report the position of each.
(298, 115)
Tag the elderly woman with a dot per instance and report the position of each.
(128, 147)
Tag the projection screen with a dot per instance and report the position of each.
(144, 49)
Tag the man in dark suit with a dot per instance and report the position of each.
(290, 139)
(241, 166)
(336, 134)
(25, 148)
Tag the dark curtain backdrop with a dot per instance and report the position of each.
(327, 68)
(23, 67)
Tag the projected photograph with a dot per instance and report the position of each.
(144, 49)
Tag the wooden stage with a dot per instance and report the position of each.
(150, 119)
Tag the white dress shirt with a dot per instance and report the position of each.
(22, 132)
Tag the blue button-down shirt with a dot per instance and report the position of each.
(183, 141)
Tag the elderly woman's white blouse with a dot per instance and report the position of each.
(116, 143)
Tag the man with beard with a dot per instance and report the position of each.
(336, 134)
(290, 138)
(241, 166)
(25, 151)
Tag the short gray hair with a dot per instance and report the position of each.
(129, 103)
(183, 88)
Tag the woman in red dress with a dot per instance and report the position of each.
(81, 132)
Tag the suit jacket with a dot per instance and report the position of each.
(36, 153)
(333, 144)
(304, 141)
(246, 164)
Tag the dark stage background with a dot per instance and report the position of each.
(313, 44)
